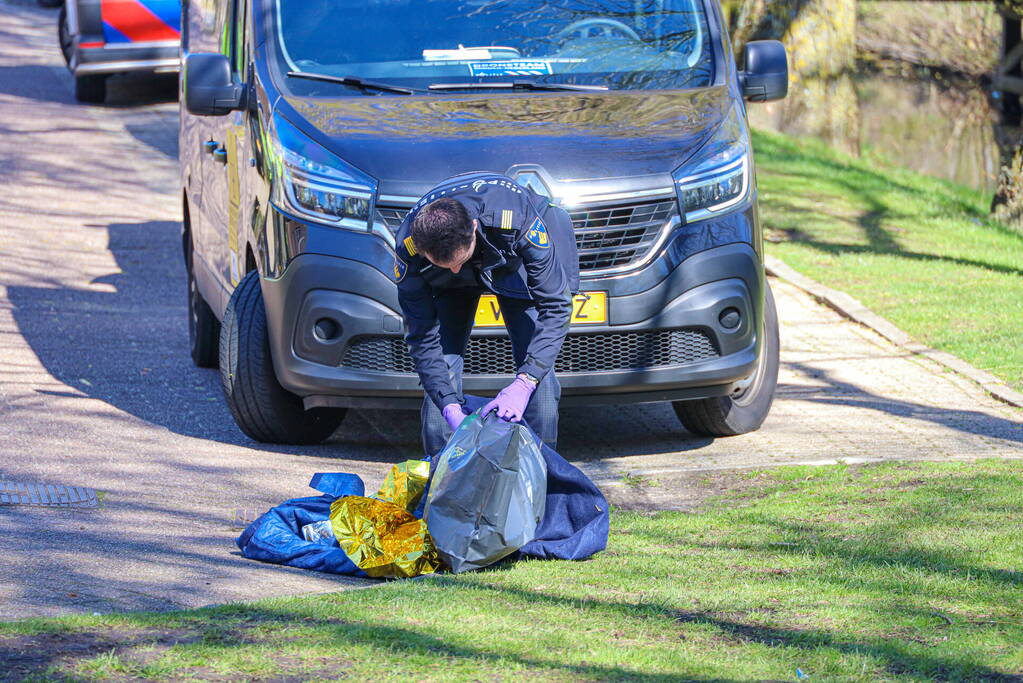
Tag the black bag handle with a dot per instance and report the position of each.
(485, 417)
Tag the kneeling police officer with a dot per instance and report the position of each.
(476, 233)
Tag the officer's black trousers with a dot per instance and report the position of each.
(456, 310)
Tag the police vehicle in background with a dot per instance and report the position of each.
(309, 129)
(99, 38)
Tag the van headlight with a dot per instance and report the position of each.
(706, 194)
(720, 177)
(312, 182)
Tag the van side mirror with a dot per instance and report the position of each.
(209, 88)
(766, 76)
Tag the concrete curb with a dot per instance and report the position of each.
(857, 312)
(820, 462)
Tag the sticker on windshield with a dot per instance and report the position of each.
(528, 67)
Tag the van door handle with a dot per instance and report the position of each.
(210, 146)
(220, 155)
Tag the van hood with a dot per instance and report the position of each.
(583, 142)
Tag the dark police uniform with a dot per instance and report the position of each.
(526, 255)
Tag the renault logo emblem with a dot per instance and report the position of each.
(533, 181)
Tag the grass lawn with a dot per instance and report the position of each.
(875, 573)
(919, 251)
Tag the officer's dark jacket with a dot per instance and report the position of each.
(525, 249)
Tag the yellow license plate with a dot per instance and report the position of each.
(588, 308)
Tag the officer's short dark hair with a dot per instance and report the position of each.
(442, 228)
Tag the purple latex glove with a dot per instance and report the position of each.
(454, 415)
(512, 401)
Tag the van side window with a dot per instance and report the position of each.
(225, 16)
(231, 24)
(202, 25)
(240, 59)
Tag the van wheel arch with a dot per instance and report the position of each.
(740, 414)
(203, 326)
(263, 409)
(250, 260)
(186, 229)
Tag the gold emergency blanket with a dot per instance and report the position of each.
(382, 539)
(405, 483)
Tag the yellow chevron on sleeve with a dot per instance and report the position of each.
(410, 246)
(506, 219)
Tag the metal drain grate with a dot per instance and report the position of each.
(46, 495)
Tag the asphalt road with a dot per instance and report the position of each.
(97, 389)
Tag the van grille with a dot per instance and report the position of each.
(391, 217)
(607, 237)
(580, 352)
(617, 236)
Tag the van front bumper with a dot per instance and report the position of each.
(336, 330)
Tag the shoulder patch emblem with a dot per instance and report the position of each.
(400, 268)
(410, 246)
(537, 235)
(507, 219)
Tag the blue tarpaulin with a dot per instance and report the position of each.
(277, 535)
(574, 526)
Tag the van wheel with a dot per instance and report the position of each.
(263, 409)
(744, 412)
(63, 35)
(203, 326)
(91, 89)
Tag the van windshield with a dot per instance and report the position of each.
(620, 44)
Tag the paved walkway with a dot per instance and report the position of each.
(97, 390)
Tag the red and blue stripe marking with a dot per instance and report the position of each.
(129, 21)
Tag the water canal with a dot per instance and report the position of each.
(939, 124)
(921, 85)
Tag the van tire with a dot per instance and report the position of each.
(261, 407)
(63, 34)
(734, 415)
(203, 326)
(91, 89)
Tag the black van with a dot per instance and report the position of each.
(310, 127)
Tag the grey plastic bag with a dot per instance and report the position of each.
(487, 494)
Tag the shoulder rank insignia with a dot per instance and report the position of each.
(507, 218)
(410, 246)
(400, 268)
(537, 235)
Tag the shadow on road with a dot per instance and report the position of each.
(140, 89)
(129, 348)
(966, 421)
(128, 90)
(152, 135)
(32, 81)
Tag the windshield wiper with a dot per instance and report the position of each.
(360, 83)
(517, 85)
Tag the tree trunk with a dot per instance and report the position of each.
(1008, 200)
(820, 36)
